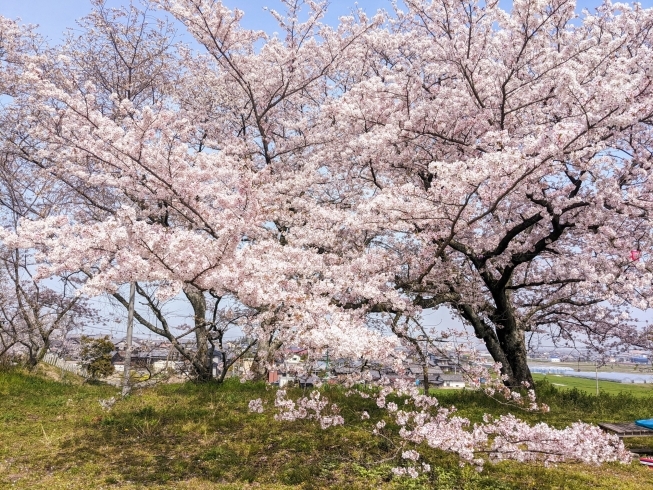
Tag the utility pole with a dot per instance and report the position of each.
(130, 330)
(596, 367)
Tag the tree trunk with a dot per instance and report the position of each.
(258, 368)
(40, 354)
(32, 360)
(512, 341)
(264, 357)
(202, 364)
(425, 372)
(36, 353)
(505, 343)
(513, 344)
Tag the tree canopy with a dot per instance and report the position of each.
(334, 182)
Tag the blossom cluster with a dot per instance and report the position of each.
(256, 406)
(313, 407)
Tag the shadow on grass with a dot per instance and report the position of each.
(177, 433)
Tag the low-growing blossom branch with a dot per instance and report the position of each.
(313, 407)
(421, 420)
(514, 439)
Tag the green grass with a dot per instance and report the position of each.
(589, 385)
(55, 435)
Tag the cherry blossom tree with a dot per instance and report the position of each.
(502, 163)
(32, 312)
(450, 155)
(188, 186)
(213, 319)
(141, 74)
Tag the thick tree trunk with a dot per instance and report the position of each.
(32, 360)
(257, 369)
(202, 363)
(513, 345)
(264, 357)
(505, 343)
(40, 354)
(36, 353)
(512, 341)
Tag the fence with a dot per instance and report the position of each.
(69, 366)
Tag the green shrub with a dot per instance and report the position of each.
(96, 356)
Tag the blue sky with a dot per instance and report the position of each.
(53, 16)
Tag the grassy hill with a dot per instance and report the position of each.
(55, 435)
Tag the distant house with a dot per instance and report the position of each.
(308, 382)
(452, 381)
(121, 345)
(444, 363)
(449, 366)
(300, 351)
(155, 360)
(280, 378)
(294, 359)
(417, 371)
(345, 370)
(118, 361)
